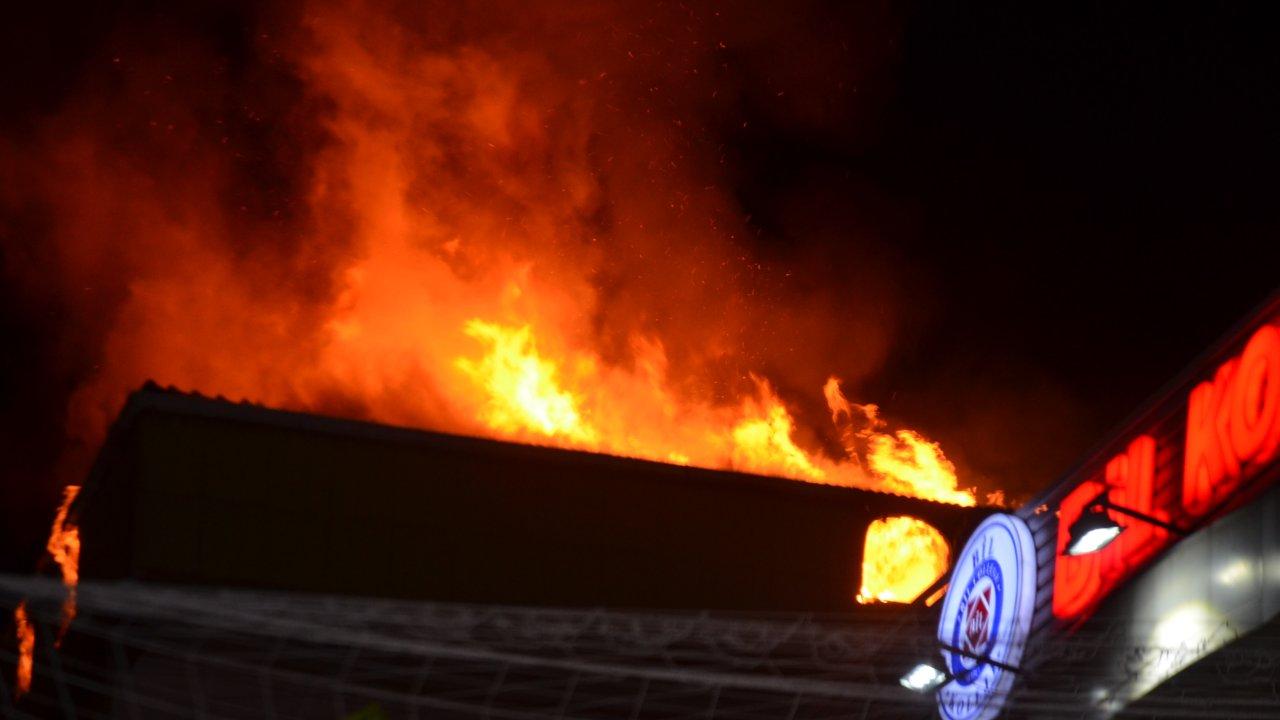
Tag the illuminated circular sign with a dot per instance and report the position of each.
(986, 617)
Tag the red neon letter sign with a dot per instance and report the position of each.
(1232, 435)
(1081, 581)
(1133, 476)
(1233, 423)
(1208, 461)
(1255, 417)
(1076, 580)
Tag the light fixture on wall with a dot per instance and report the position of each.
(926, 678)
(1095, 528)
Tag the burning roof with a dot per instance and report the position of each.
(202, 490)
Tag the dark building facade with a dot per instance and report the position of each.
(195, 490)
(238, 561)
(250, 558)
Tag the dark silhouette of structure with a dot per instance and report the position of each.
(189, 489)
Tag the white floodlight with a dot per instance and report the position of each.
(923, 678)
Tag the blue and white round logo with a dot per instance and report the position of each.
(986, 617)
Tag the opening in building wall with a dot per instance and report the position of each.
(902, 557)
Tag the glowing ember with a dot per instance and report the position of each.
(64, 548)
(902, 557)
(26, 635)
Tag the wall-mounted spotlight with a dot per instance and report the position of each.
(925, 678)
(1095, 528)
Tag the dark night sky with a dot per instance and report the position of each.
(1093, 197)
(1080, 199)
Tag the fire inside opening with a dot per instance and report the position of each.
(902, 557)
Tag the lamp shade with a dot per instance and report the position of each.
(924, 678)
(1092, 531)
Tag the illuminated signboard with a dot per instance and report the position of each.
(987, 616)
(1200, 453)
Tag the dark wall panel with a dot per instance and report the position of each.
(203, 491)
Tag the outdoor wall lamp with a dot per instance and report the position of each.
(925, 678)
(1095, 529)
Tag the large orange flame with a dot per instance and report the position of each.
(64, 548)
(483, 238)
(902, 558)
(495, 220)
(522, 388)
(26, 636)
(903, 462)
(522, 394)
(763, 441)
